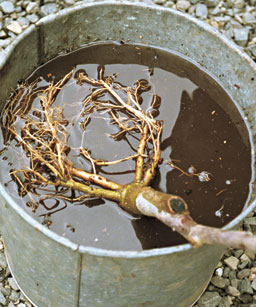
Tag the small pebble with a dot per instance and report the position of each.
(14, 296)
(245, 286)
(3, 34)
(3, 263)
(7, 7)
(13, 284)
(211, 3)
(48, 9)
(201, 11)
(232, 262)
(249, 18)
(218, 281)
(226, 271)
(14, 27)
(253, 284)
(234, 283)
(209, 299)
(225, 302)
(244, 257)
(23, 22)
(233, 291)
(244, 264)
(33, 18)
(241, 36)
(183, 5)
(243, 273)
(2, 299)
(219, 272)
(239, 4)
(32, 8)
(245, 298)
(238, 253)
(6, 291)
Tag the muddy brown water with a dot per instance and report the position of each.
(203, 130)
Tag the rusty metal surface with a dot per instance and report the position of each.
(53, 271)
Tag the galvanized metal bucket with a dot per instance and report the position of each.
(51, 270)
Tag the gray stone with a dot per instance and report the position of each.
(33, 18)
(245, 298)
(218, 281)
(192, 10)
(225, 302)
(201, 11)
(245, 286)
(244, 264)
(238, 253)
(211, 3)
(243, 273)
(11, 35)
(24, 22)
(18, 9)
(6, 291)
(239, 4)
(227, 282)
(47, 9)
(3, 34)
(215, 11)
(183, 5)
(22, 14)
(253, 284)
(235, 25)
(7, 7)
(230, 12)
(14, 27)
(170, 4)
(32, 8)
(21, 305)
(209, 299)
(2, 299)
(249, 18)
(3, 263)
(212, 288)
(7, 21)
(11, 304)
(241, 36)
(194, 1)
(232, 291)
(13, 284)
(250, 220)
(234, 283)
(7, 272)
(223, 19)
(231, 262)
(14, 296)
(244, 257)
(226, 271)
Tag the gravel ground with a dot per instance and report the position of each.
(234, 279)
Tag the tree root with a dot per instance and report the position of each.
(44, 141)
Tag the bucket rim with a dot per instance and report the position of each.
(100, 251)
